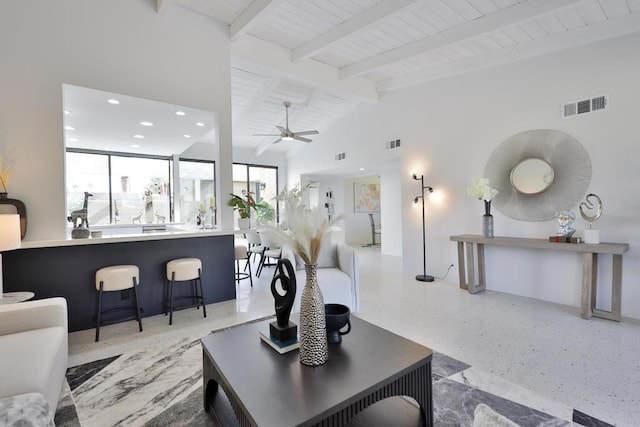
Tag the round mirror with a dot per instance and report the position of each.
(532, 176)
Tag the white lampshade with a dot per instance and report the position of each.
(9, 232)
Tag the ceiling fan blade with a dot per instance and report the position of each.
(307, 132)
(299, 138)
(277, 140)
(283, 130)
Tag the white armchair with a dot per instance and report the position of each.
(34, 349)
(338, 275)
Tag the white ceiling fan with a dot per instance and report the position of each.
(285, 132)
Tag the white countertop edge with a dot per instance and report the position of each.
(120, 238)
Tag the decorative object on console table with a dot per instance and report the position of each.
(487, 220)
(424, 277)
(564, 239)
(481, 189)
(565, 223)
(306, 230)
(591, 236)
(9, 237)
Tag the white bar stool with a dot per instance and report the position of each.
(117, 278)
(241, 253)
(184, 270)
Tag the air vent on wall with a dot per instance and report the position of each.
(585, 106)
(389, 145)
(341, 156)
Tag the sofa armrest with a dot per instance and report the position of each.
(348, 263)
(30, 315)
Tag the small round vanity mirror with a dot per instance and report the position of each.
(532, 176)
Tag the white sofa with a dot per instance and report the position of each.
(34, 349)
(338, 275)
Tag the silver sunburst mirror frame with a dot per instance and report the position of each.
(570, 166)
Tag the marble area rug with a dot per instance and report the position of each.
(162, 386)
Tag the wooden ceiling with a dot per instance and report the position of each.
(327, 56)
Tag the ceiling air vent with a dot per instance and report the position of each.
(341, 156)
(390, 145)
(585, 106)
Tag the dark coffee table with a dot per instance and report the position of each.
(269, 389)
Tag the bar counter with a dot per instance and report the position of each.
(67, 268)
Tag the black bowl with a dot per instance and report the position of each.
(337, 317)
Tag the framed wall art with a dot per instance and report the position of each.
(366, 197)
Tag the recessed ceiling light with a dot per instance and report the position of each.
(146, 123)
(138, 136)
(67, 112)
(69, 128)
(361, 169)
(135, 146)
(113, 101)
(72, 139)
(187, 136)
(180, 113)
(200, 124)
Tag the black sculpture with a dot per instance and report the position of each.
(282, 329)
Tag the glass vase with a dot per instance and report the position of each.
(487, 221)
(314, 349)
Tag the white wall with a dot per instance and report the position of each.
(120, 46)
(391, 207)
(450, 127)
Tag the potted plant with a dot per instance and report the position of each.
(264, 211)
(243, 205)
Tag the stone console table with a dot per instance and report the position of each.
(589, 267)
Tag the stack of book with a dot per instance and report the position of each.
(280, 346)
(565, 239)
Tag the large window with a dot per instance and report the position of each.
(123, 188)
(262, 183)
(197, 187)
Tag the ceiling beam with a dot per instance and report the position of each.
(251, 51)
(163, 5)
(250, 17)
(256, 101)
(509, 16)
(576, 37)
(359, 22)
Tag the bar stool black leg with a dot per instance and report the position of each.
(173, 275)
(250, 274)
(99, 312)
(204, 306)
(135, 292)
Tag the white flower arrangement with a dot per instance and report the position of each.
(481, 189)
(306, 227)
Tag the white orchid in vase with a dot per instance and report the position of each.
(481, 189)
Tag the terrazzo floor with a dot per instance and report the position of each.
(538, 356)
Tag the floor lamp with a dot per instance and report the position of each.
(9, 237)
(424, 277)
